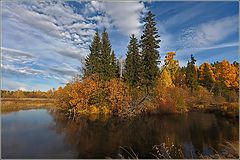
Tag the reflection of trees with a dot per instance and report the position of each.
(102, 138)
(207, 131)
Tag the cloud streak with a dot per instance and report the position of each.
(210, 33)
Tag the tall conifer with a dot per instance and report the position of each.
(191, 74)
(150, 55)
(133, 63)
(92, 61)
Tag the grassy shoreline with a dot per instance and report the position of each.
(226, 109)
(229, 110)
(14, 104)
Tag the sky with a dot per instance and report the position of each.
(44, 43)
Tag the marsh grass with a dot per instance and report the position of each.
(227, 150)
(14, 104)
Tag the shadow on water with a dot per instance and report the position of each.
(100, 138)
(44, 134)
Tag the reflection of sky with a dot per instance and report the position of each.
(44, 43)
(28, 134)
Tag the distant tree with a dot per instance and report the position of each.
(149, 43)
(180, 77)
(93, 59)
(227, 76)
(191, 74)
(165, 79)
(133, 63)
(172, 65)
(18, 94)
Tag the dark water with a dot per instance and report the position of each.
(44, 134)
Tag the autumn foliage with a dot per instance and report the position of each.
(141, 86)
(92, 95)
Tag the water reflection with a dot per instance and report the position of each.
(30, 134)
(101, 138)
(45, 134)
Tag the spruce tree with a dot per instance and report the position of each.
(191, 74)
(114, 67)
(133, 63)
(92, 61)
(150, 55)
(108, 63)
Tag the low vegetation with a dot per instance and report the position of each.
(229, 150)
(15, 104)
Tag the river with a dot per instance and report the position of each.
(40, 133)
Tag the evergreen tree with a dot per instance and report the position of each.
(108, 59)
(92, 61)
(191, 74)
(133, 63)
(149, 44)
(114, 67)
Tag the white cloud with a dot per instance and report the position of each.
(33, 19)
(125, 16)
(188, 51)
(82, 25)
(15, 52)
(210, 33)
(73, 52)
(10, 84)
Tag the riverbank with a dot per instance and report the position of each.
(227, 109)
(14, 104)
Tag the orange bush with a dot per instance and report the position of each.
(118, 94)
(91, 91)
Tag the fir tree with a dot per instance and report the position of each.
(191, 74)
(108, 60)
(133, 63)
(92, 61)
(149, 44)
(114, 67)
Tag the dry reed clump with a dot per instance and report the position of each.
(168, 150)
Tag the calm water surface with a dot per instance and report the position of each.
(44, 134)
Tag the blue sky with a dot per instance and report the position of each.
(44, 43)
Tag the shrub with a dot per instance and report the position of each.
(91, 95)
(171, 99)
(118, 94)
(200, 98)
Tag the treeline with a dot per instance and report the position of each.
(145, 87)
(27, 94)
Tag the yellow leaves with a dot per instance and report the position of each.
(170, 56)
(106, 110)
(206, 70)
(91, 95)
(228, 73)
(165, 80)
(93, 109)
(172, 65)
(118, 94)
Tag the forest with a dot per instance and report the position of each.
(143, 84)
